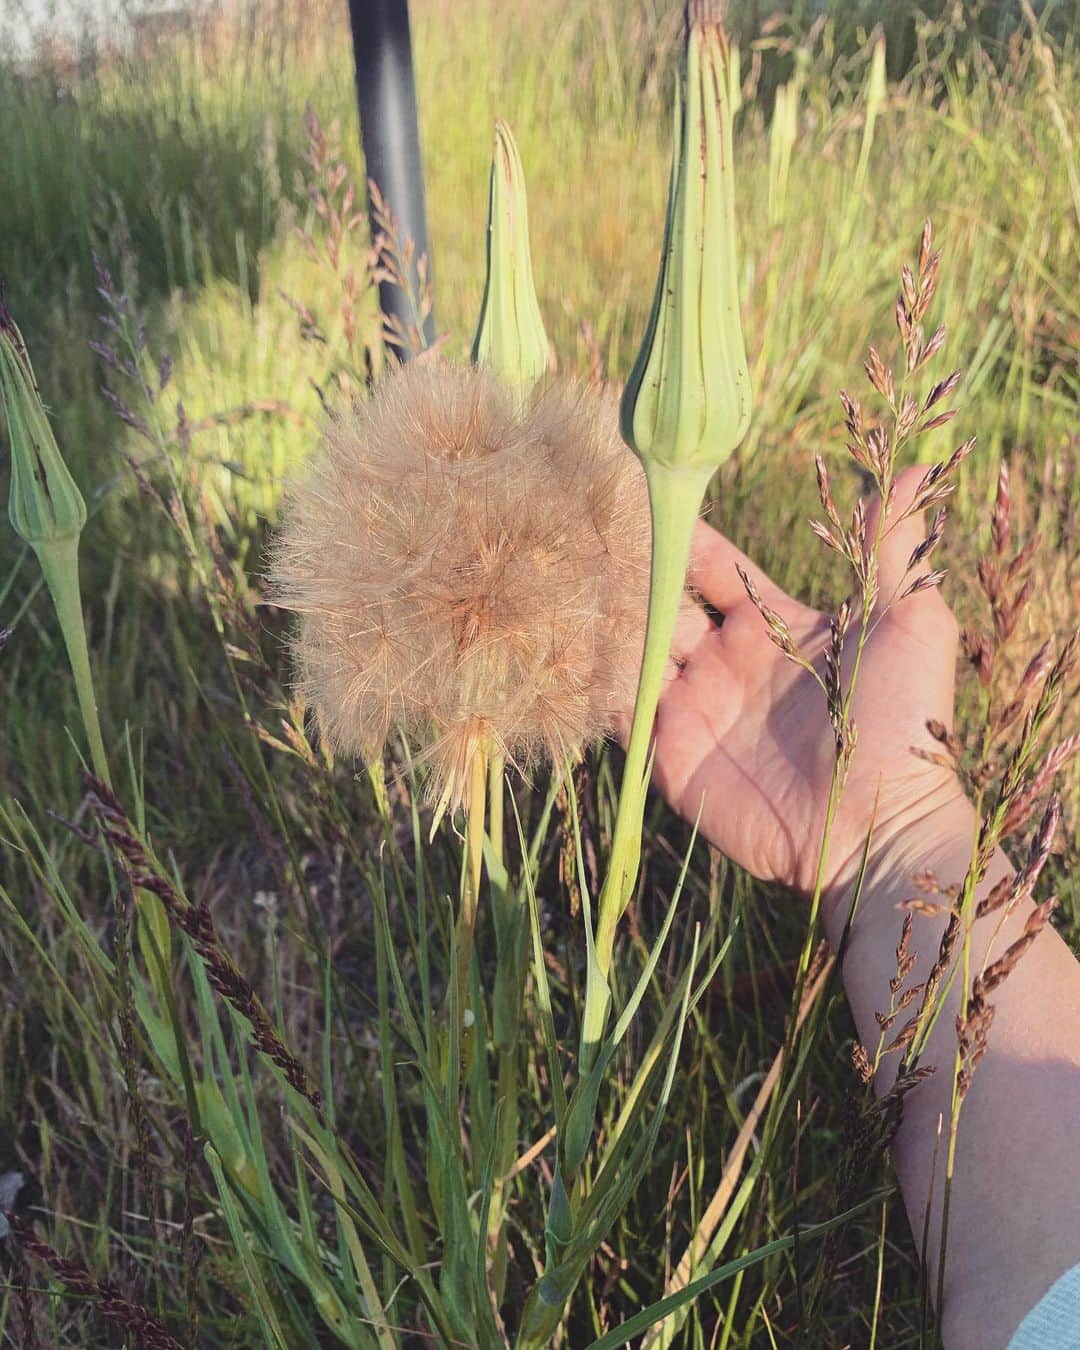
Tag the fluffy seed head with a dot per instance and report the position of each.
(468, 573)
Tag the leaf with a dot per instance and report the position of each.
(543, 989)
(359, 1262)
(655, 1312)
(264, 1307)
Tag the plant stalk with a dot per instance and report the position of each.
(470, 895)
(674, 498)
(60, 567)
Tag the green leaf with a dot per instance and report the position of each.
(264, 1306)
(359, 1263)
(655, 1312)
(543, 989)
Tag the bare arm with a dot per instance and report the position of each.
(1014, 1224)
(740, 723)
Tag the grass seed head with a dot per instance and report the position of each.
(468, 574)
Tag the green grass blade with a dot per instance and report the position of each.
(264, 1308)
(543, 989)
(655, 1312)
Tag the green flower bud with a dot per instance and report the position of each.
(687, 401)
(45, 505)
(877, 87)
(783, 132)
(47, 509)
(510, 336)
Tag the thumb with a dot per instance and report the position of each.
(904, 530)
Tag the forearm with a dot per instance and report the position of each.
(1014, 1223)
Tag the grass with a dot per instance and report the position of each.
(184, 170)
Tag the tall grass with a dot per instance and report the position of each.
(184, 170)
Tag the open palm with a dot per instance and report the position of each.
(743, 735)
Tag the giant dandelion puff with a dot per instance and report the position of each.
(469, 573)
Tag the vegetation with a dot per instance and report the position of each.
(193, 279)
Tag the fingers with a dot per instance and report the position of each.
(691, 629)
(902, 535)
(930, 631)
(714, 561)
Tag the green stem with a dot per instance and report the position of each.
(967, 905)
(674, 498)
(474, 847)
(496, 772)
(470, 895)
(506, 1016)
(60, 566)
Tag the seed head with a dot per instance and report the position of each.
(468, 570)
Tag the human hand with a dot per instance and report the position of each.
(743, 735)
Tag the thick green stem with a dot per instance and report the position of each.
(474, 847)
(506, 1016)
(674, 498)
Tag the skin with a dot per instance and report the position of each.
(739, 724)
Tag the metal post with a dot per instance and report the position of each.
(386, 93)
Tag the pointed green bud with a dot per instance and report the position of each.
(877, 86)
(687, 401)
(45, 505)
(783, 133)
(47, 509)
(510, 336)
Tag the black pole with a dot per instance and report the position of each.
(386, 93)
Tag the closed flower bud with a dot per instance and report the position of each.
(45, 505)
(510, 336)
(685, 408)
(47, 510)
(687, 401)
(877, 89)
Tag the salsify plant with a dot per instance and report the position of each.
(471, 574)
(48, 512)
(468, 556)
(485, 578)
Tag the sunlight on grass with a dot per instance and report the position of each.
(188, 171)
